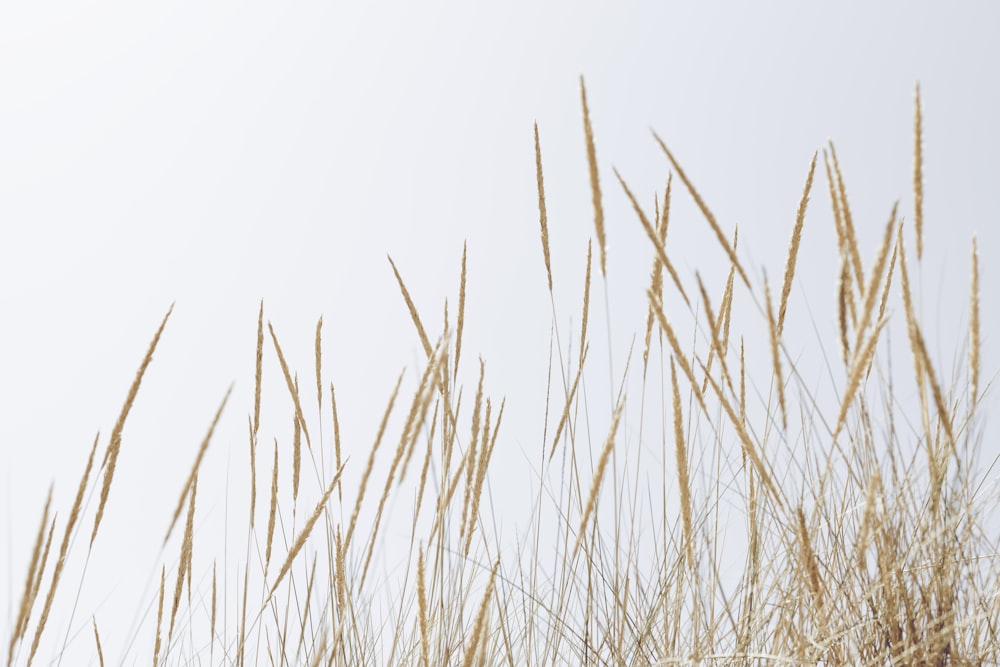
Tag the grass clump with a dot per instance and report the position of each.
(862, 542)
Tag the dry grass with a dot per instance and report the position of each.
(734, 525)
(595, 181)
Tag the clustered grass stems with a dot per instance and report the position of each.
(860, 548)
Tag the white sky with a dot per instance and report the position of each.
(211, 155)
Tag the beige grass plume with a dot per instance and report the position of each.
(115, 443)
(595, 183)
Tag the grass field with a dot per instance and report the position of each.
(785, 525)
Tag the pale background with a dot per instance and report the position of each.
(213, 154)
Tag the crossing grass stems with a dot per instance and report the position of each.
(883, 562)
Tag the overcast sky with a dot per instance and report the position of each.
(210, 155)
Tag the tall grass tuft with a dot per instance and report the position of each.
(756, 522)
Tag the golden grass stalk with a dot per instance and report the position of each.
(850, 240)
(336, 438)
(496, 427)
(423, 471)
(943, 413)
(273, 507)
(586, 306)
(444, 500)
(743, 386)
(919, 355)
(421, 404)
(683, 478)
(304, 534)
(974, 362)
(424, 340)
(38, 579)
(159, 617)
(808, 561)
(259, 368)
(739, 423)
(97, 638)
(445, 335)
(473, 443)
(918, 173)
(564, 418)
(67, 534)
(319, 364)
(292, 389)
(460, 327)
(371, 462)
(869, 517)
(422, 610)
(340, 574)
(253, 473)
(595, 487)
(714, 326)
(420, 400)
(595, 183)
(838, 218)
(485, 452)
(480, 622)
(754, 549)
(241, 650)
(858, 369)
(197, 463)
(320, 651)
(185, 560)
(676, 346)
(296, 457)
(115, 443)
(658, 244)
(704, 210)
(542, 217)
(74, 514)
(28, 597)
(720, 328)
(843, 293)
(875, 278)
(779, 379)
(908, 298)
(793, 247)
(656, 274)
(888, 282)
